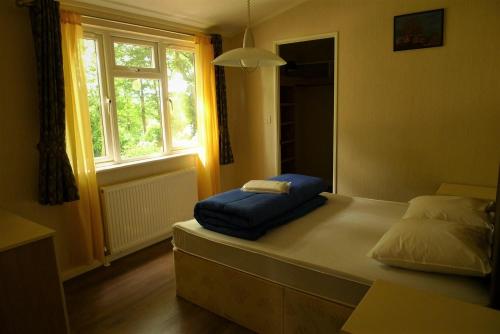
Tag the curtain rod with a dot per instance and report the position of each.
(137, 25)
(27, 3)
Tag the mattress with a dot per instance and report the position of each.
(324, 253)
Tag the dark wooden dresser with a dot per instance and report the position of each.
(31, 294)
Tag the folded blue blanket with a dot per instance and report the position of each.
(253, 233)
(239, 210)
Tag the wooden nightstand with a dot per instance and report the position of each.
(391, 308)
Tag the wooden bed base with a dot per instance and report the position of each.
(252, 302)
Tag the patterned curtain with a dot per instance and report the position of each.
(225, 151)
(56, 182)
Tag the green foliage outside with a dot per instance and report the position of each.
(139, 117)
(138, 101)
(94, 96)
(182, 95)
(133, 55)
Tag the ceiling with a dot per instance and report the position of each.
(227, 17)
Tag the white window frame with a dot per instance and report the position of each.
(108, 71)
(104, 94)
(181, 47)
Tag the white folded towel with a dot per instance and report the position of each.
(267, 186)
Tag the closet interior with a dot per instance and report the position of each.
(306, 119)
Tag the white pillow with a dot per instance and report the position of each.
(267, 186)
(450, 208)
(435, 245)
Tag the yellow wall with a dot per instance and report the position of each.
(235, 175)
(407, 120)
(19, 137)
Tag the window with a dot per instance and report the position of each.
(141, 94)
(92, 74)
(182, 97)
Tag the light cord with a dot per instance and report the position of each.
(243, 67)
(248, 8)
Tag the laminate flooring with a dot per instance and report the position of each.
(136, 294)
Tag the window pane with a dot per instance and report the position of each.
(91, 64)
(139, 116)
(134, 55)
(182, 97)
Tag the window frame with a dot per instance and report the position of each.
(108, 71)
(180, 47)
(104, 94)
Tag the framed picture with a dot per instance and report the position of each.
(418, 30)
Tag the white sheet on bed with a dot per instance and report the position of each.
(324, 253)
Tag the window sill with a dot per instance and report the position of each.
(106, 167)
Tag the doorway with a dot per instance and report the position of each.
(307, 108)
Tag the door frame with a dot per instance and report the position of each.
(277, 129)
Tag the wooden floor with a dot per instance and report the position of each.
(136, 294)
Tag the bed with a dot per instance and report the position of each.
(311, 272)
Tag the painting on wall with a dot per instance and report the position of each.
(418, 30)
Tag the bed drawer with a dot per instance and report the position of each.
(245, 299)
(305, 313)
(255, 303)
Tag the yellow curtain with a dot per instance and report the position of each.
(86, 212)
(208, 133)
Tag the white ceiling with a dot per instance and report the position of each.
(223, 16)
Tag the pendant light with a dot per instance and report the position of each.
(248, 57)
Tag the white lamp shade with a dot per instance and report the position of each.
(248, 57)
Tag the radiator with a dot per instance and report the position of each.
(142, 212)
